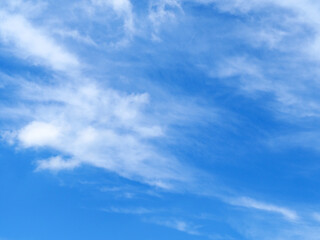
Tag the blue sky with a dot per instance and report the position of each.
(159, 119)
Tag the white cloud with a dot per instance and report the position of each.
(251, 203)
(289, 32)
(122, 8)
(296, 15)
(29, 8)
(74, 34)
(31, 42)
(118, 5)
(39, 134)
(163, 11)
(97, 126)
(87, 123)
(56, 164)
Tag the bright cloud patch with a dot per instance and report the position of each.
(34, 43)
(102, 128)
(37, 134)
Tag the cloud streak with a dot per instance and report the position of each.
(253, 204)
(103, 128)
(179, 225)
(31, 42)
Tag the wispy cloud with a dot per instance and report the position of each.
(179, 225)
(135, 211)
(113, 134)
(74, 34)
(253, 204)
(162, 12)
(121, 7)
(291, 33)
(86, 122)
(34, 43)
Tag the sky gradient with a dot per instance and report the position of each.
(159, 119)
